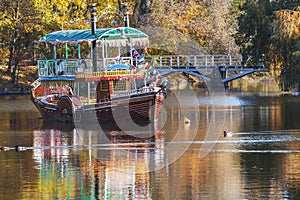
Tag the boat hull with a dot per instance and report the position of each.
(141, 109)
(63, 111)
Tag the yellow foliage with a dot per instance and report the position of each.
(288, 23)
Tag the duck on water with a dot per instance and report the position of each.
(17, 148)
(227, 134)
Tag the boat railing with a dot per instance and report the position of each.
(117, 60)
(117, 94)
(115, 73)
(58, 67)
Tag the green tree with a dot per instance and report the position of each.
(254, 30)
(269, 30)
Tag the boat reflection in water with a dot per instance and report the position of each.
(85, 163)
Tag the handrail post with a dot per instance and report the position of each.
(46, 67)
(224, 60)
(241, 58)
(189, 63)
(160, 60)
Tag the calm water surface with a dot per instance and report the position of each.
(260, 159)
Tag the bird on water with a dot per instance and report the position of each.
(20, 148)
(17, 148)
(187, 120)
(227, 134)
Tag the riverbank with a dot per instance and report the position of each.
(255, 84)
(25, 76)
(15, 91)
(251, 83)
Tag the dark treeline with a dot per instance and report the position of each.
(265, 32)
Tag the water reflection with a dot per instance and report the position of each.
(75, 164)
(17, 113)
(259, 161)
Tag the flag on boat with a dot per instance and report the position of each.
(152, 75)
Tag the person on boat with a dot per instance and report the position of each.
(80, 66)
(61, 66)
(66, 90)
(70, 91)
(135, 53)
(118, 59)
(141, 58)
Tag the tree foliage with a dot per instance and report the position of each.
(254, 29)
(285, 46)
(23, 21)
(17, 28)
(260, 29)
(268, 33)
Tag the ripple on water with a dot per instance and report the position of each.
(223, 101)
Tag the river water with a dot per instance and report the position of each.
(186, 157)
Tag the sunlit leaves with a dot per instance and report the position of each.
(285, 42)
(266, 30)
(270, 31)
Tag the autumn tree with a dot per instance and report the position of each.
(285, 46)
(223, 25)
(268, 31)
(23, 21)
(172, 24)
(254, 30)
(17, 29)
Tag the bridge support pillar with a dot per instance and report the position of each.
(224, 76)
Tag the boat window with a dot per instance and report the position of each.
(120, 85)
(104, 85)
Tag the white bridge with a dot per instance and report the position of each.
(230, 66)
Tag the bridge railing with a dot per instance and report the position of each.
(196, 60)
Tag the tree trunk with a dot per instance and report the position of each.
(11, 56)
(144, 7)
(14, 73)
(143, 11)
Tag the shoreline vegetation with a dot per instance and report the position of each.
(25, 77)
(251, 83)
(265, 32)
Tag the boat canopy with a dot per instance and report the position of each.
(118, 66)
(112, 36)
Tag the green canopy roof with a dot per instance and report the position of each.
(109, 34)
